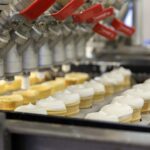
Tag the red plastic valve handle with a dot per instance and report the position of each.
(87, 14)
(103, 15)
(36, 9)
(105, 31)
(120, 26)
(68, 9)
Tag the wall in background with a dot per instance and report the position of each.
(146, 19)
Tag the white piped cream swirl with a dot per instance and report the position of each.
(33, 109)
(102, 116)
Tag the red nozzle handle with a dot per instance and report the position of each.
(120, 26)
(36, 9)
(68, 9)
(103, 15)
(87, 14)
(105, 31)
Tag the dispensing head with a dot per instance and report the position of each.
(19, 15)
(4, 40)
(57, 47)
(55, 41)
(30, 56)
(12, 58)
(69, 33)
(43, 48)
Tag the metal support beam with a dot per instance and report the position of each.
(2, 120)
(4, 135)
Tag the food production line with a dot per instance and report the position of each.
(61, 36)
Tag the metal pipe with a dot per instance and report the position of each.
(137, 20)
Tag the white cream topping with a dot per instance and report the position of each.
(133, 101)
(102, 116)
(2, 82)
(98, 87)
(50, 104)
(147, 81)
(124, 71)
(111, 78)
(81, 90)
(144, 86)
(67, 98)
(140, 86)
(106, 80)
(145, 94)
(117, 76)
(117, 109)
(114, 77)
(31, 109)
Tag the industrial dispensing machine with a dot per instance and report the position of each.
(21, 32)
(39, 35)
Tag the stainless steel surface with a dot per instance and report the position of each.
(138, 21)
(39, 136)
(12, 62)
(4, 6)
(44, 51)
(59, 53)
(13, 34)
(80, 133)
(81, 48)
(45, 56)
(4, 2)
(1, 68)
(12, 53)
(2, 131)
(30, 50)
(30, 57)
(10, 15)
(70, 50)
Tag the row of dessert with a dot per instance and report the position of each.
(127, 107)
(79, 94)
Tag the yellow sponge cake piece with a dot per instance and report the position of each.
(14, 85)
(43, 90)
(30, 96)
(76, 78)
(10, 102)
(3, 88)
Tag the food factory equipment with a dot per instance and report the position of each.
(125, 48)
(44, 53)
(59, 36)
(16, 23)
(23, 54)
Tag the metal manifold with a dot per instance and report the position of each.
(37, 34)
